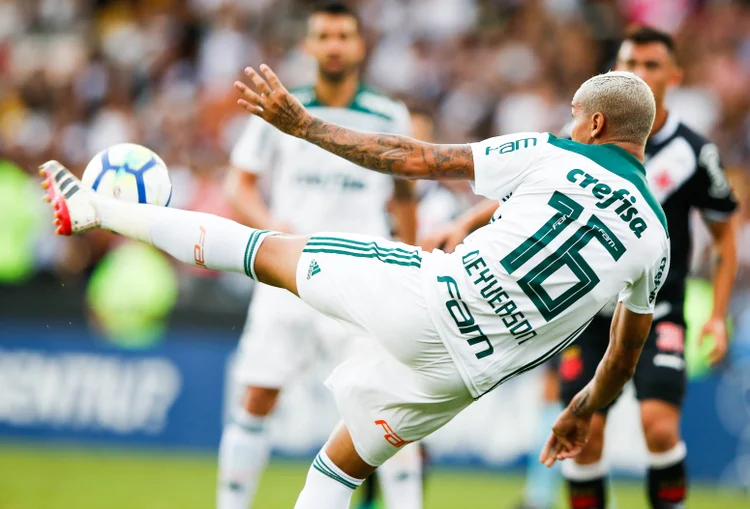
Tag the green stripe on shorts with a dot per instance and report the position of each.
(348, 247)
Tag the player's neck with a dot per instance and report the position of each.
(659, 120)
(634, 149)
(337, 94)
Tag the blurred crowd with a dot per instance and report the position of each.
(77, 76)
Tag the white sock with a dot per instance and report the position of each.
(327, 486)
(572, 471)
(400, 479)
(243, 456)
(660, 460)
(199, 239)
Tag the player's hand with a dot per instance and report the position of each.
(569, 436)
(446, 238)
(272, 101)
(716, 328)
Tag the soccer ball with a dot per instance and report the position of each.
(130, 173)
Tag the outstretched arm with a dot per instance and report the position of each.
(391, 154)
(627, 337)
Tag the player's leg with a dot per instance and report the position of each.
(244, 449)
(335, 473)
(274, 346)
(398, 482)
(542, 483)
(660, 387)
(385, 405)
(400, 479)
(194, 238)
(586, 474)
(369, 282)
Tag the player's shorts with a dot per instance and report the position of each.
(407, 385)
(660, 373)
(283, 336)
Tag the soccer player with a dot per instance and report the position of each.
(579, 227)
(684, 172)
(311, 190)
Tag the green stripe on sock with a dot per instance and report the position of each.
(413, 263)
(324, 469)
(247, 253)
(250, 429)
(250, 251)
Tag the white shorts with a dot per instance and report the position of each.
(409, 386)
(283, 336)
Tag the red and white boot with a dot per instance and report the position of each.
(72, 203)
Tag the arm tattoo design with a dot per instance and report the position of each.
(579, 406)
(389, 153)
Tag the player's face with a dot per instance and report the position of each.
(652, 63)
(335, 42)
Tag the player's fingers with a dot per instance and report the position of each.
(271, 77)
(547, 456)
(258, 81)
(564, 442)
(252, 108)
(247, 94)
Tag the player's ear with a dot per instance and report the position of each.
(676, 77)
(597, 125)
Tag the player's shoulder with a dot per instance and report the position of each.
(509, 143)
(371, 101)
(695, 140)
(707, 159)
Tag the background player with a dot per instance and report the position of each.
(684, 172)
(430, 311)
(311, 190)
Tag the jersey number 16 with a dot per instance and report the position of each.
(568, 254)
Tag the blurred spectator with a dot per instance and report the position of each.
(79, 75)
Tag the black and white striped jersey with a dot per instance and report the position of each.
(684, 172)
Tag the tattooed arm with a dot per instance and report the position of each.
(627, 337)
(391, 154)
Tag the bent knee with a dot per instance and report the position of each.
(260, 401)
(661, 425)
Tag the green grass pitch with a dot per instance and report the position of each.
(39, 477)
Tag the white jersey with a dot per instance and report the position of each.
(579, 226)
(313, 190)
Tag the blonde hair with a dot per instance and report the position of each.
(626, 102)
